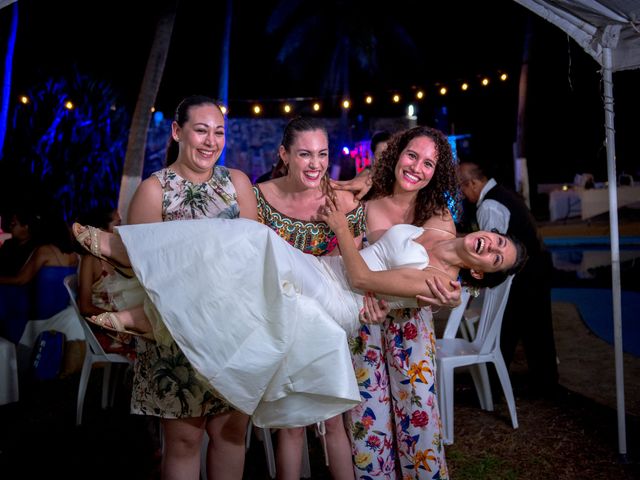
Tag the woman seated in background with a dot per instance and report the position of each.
(101, 288)
(22, 224)
(42, 278)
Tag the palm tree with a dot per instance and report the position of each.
(342, 39)
(134, 157)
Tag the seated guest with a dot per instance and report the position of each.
(101, 288)
(22, 224)
(41, 280)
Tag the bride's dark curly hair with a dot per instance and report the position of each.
(442, 191)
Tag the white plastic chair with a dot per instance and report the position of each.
(94, 354)
(455, 352)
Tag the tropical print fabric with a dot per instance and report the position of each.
(185, 200)
(165, 384)
(396, 430)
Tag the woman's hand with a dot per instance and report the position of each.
(442, 296)
(374, 311)
(359, 185)
(332, 215)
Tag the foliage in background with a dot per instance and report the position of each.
(68, 158)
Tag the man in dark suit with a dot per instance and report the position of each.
(527, 317)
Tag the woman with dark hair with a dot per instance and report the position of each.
(43, 273)
(23, 225)
(395, 431)
(289, 204)
(101, 288)
(165, 384)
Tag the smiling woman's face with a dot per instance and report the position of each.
(488, 252)
(416, 164)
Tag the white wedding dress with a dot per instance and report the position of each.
(265, 324)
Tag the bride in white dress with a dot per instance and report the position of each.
(287, 363)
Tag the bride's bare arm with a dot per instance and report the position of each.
(404, 282)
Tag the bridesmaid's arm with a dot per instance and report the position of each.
(403, 282)
(146, 204)
(246, 198)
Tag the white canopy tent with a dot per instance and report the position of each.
(609, 31)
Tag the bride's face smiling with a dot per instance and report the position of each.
(307, 158)
(488, 252)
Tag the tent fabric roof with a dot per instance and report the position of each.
(596, 24)
(5, 3)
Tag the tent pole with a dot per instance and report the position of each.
(615, 247)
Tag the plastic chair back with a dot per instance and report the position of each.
(71, 284)
(94, 354)
(490, 323)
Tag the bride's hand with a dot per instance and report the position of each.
(441, 296)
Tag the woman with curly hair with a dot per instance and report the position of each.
(395, 430)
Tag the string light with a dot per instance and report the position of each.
(286, 106)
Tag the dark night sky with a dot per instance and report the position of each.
(453, 40)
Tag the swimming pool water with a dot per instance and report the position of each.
(582, 275)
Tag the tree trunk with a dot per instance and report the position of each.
(519, 159)
(134, 157)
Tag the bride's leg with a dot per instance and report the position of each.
(135, 319)
(109, 245)
(132, 320)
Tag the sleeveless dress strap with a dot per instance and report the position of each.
(439, 230)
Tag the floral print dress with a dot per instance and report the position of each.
(396, 430)
(165, 384)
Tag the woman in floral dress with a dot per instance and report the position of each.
(165, 384)
(396, 431)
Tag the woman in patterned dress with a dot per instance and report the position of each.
(396, 430)
(101, 288)
(289, 204)
(165, 385)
